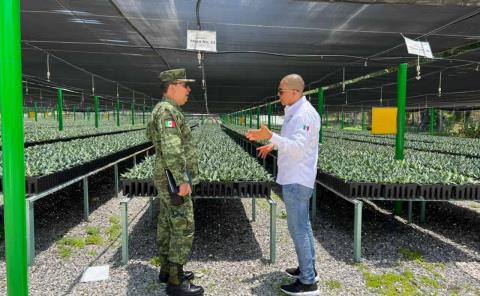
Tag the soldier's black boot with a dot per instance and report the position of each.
(179, 286)
(165, 272)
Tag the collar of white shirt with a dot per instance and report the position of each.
(292, 109)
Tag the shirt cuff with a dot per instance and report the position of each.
(276, 140)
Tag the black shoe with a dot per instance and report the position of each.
(184, 289)
(163, 276)
(297, 288)
(295, 273)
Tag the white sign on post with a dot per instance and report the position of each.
(418, 48)
(202, 40)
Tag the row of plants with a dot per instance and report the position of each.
(219, 159)
(38, 134)
(440, 144)
(366, 162)
(46, 159)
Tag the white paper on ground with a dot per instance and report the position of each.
(96, 273)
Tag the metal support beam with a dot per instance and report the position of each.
(117, 112)
(314, 203)
(273, 230)
(124, 225)
(401, 105)
(11, 102)
(86, 208)
(254, 209)
(60, 109)
(357, 232)
(115, 172)
(97, 111)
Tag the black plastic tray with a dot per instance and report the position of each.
(41, 183)
(135, 187)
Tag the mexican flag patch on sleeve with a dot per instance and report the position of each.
(170, 123)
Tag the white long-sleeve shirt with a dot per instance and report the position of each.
(298, 145)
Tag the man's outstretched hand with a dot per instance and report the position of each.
(264, 150)
(263, 133)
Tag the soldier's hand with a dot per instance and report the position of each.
(184, 189)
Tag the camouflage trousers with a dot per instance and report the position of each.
(176, 227)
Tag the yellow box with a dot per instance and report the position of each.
(31, 114)
(384, 120)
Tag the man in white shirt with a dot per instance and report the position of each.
(297, 169)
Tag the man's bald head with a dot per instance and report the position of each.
(294, 81)
(290, 89)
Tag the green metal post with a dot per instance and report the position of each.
(251, 121)
(326, 119)
(133, 114)
(269, 115)
(74, 112)
(342, 123)
(258, 117)
(431, 117)
(201, 119)
(143, 114)
(35, 110)
(117, 111)
(401, 103)
(88, 113)
(363, 120)
(97, 112)
(321, 102)
(244, 118)
(400, 139)
(12, 152)
(60, 109)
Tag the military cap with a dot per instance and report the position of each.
(174, 75)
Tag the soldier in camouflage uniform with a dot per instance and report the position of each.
(171, 135)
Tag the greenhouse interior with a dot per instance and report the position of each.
(231, 108)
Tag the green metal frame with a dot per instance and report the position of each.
(97, 111)
(12, 148)
(60, 109)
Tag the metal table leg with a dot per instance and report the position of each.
(273, 230)
(357, 232)
(254, 209)
(86, 210)
(314, 203)
(117, 187)
(30, 233)
(410, 211)
(124, 224)
(422, 211)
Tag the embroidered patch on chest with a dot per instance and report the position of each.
(170, 123)
(306, 127)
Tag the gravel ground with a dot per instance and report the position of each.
(230, 253)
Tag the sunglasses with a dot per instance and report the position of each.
(282, 91)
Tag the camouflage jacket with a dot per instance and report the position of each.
(171, 135)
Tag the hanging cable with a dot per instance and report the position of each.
(201, 59)
(343, 80)
(139, 33)
(93, 85)
(440, 86)
(48, 67)
(418, 77)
